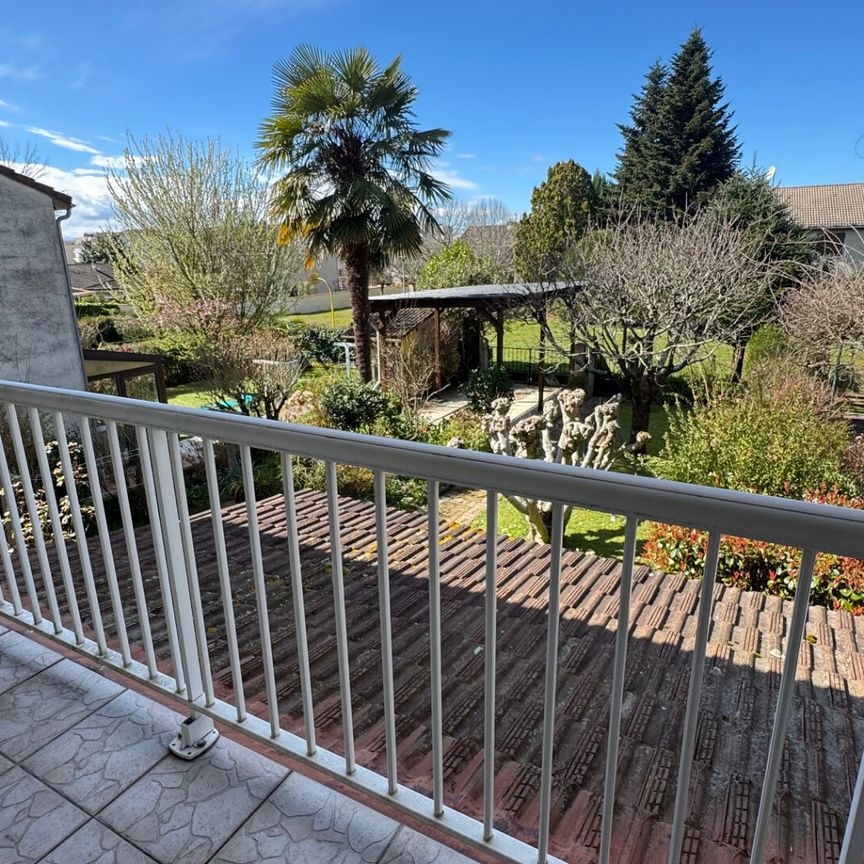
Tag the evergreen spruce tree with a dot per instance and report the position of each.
(681, 142)
(643, 173)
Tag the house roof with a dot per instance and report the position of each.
(60, 200)
(402, 322)
(467, 296)
(741, 680)
(89, 278)
(839, 205)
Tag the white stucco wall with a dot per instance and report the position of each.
(38, 336)
(854, 245)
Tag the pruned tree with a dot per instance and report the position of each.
(652, 297)
(562, 435)
(824, 316)
(252, 373)
(199, 247)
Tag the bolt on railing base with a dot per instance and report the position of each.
(196, 736)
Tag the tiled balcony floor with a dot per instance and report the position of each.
(85, 777)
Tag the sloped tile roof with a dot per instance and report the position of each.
(60, 200)
(741, 681)
(839, 205)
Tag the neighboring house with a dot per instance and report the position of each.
(38, 335)
(834, 213)
(95, 279)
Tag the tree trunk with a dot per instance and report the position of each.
(642, 395)
(357, 265)
(738, 350)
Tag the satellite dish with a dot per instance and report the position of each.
(769, 174)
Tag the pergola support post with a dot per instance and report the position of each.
(439, 382)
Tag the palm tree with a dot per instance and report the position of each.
(357, 179)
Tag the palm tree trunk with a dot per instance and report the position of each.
(357, 265)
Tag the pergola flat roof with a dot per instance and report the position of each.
(471, 296)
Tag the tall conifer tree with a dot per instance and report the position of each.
(681, 142)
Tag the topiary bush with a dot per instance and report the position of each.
(484, 386)
(319, 343)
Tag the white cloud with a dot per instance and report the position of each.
(19, 73)
(82, 74)
(466, 155)
(7, 106)
(442, 171)
(60, 140)
(108, 161)
(5, 123)
(92, 210)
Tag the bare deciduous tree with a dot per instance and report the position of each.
(560, 435)
(252, 373)
(200, 248)
(824, 316)
(493, 236)
(23, 159)
(651, 298)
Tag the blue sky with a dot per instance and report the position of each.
(520, 85)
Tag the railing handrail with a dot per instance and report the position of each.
(824, 527)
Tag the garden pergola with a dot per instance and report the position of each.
(491, 302)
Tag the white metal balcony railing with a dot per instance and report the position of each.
(56, 414)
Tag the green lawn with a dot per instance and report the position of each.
(590, 530)
(191, 395)
(341, 317)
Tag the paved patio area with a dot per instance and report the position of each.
(453, 400)
(85, 778)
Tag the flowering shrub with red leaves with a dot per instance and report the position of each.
(753, 565)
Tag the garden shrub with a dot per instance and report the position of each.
(466, 426)
(776, 436)
(320, 344)
(753, 565)
(767, 344)
(354, 406)
(676, 391)
(96, 308)
(484, 386)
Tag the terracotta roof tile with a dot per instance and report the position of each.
(838, 205)
(740, 682)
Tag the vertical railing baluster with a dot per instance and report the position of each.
(224, 579)
(6, 558)
(489, 671)
(298, 602)
(105, 539)
(435, 650)
(617, 695)
(78, 528)
(694, 694)
(131, 546)
(784, 703)
(35, 520)
(260, 589)
(386, 628)
(18, 535)
(56, 525)
(191, 568)
(149, 476)
(852, 851)
(339, 611)
(556, 543)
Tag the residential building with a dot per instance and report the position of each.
(38, 335)
(833, 213)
